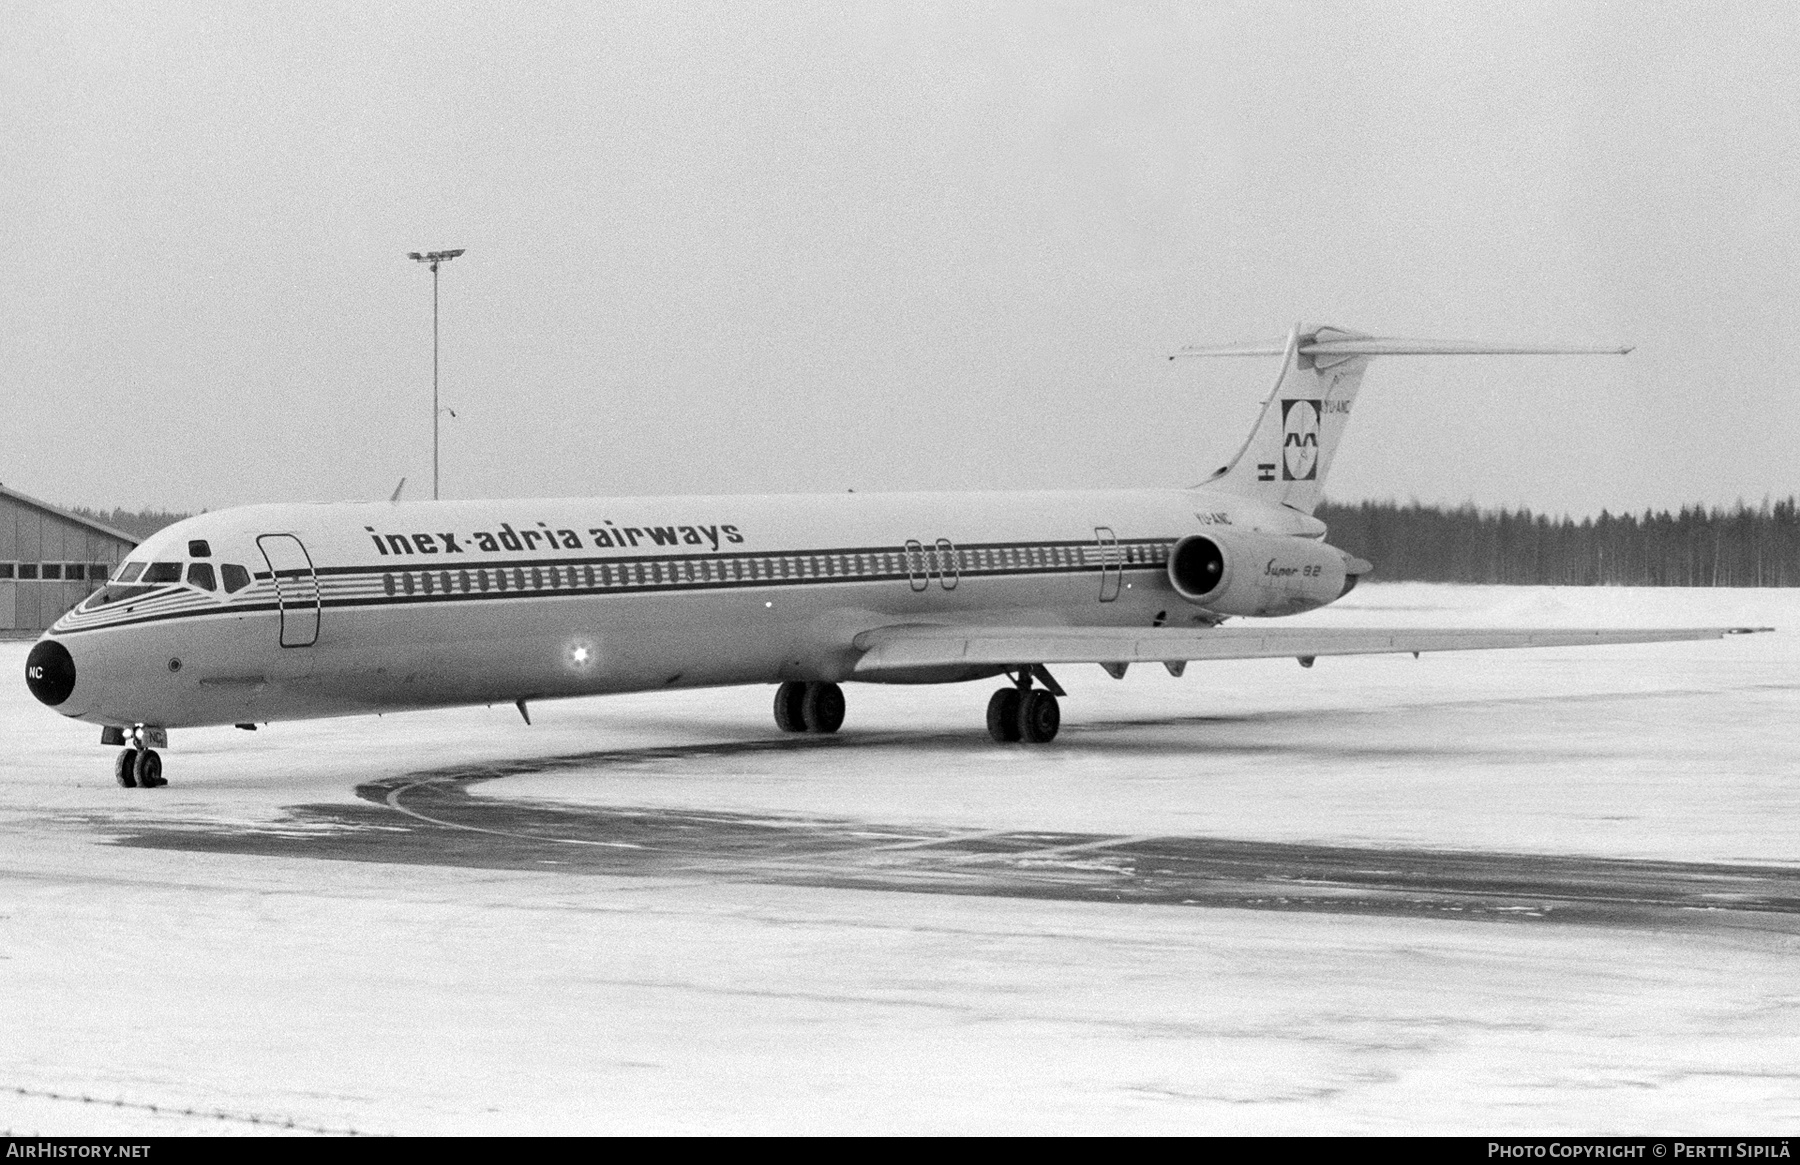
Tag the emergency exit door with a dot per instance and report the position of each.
(1112, 563)
(296, 588)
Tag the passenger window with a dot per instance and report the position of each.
(236, 577)
(200, 574)
(163, 572)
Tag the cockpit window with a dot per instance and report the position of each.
(147, 579)
(236, 577)
(114, 593)
(198, 548)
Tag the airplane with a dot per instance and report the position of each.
(276, 612)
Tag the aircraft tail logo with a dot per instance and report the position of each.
(1299, 440)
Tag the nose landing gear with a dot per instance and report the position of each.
(125, 768)
(137, 766)
(149, 769)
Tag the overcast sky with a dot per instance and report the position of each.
(753, 247)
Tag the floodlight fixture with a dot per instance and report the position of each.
(433, 258)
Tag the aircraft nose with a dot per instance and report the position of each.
(50, 672)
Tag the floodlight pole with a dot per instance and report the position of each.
(434, 258)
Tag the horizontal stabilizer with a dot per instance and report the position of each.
(921, 646)
(1289, 452)
(1397, 346)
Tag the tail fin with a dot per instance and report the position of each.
(1289, 452)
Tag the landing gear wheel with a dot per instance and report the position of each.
(1003, 716)
(149, 770)
(787, 707)
(1039, 717)
(822, 708)
(125, 768)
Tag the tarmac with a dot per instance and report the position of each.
(1551, 892)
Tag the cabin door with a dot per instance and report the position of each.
(296, 588)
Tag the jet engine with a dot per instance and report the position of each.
(1235, 572)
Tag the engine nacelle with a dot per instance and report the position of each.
(1234, 572)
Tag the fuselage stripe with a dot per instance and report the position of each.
(923, 566)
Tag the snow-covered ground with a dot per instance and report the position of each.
(412, 998)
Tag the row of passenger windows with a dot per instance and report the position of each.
(919, 561)
(65, 571)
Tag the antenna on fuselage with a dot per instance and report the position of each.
(395, 496)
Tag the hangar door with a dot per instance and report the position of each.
(296, 588)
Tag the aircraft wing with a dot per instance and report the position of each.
(936, 645)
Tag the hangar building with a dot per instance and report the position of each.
(50, 560)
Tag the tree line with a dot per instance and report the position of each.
(140, 524)
(1693, 547)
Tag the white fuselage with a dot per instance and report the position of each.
(366, 607)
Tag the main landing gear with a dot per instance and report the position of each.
(1022, 713)
(810, 707)
(138, 766)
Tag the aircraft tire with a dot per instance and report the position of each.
(1003, 716)
(1039, 717)
(149, 770)
(125, 768)
(822, 708)
(788, 698)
